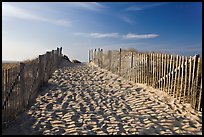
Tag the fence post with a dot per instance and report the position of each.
(89, 56)
(95, 58)
(120, 50)
(60, 51)
(22, 84)
(101, 58)
(179, 77)
(186, 77)
(56, 58)
(148, 73)
(197, 80)
(153, 69)
(131, 62)
(200, 93)
(194, 80)
(157, 70)
(52, 61)
(92, 55)
(175, 76)
(169, 79)
(46, 66)
(98, 57)
(182, 77)
(41, 70)
(164, 72)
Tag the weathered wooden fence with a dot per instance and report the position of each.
(179, 76)
(20, 84)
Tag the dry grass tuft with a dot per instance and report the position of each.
(9, 65)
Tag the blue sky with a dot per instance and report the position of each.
(32, 28)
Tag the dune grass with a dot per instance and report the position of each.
(14, 64)
(9, 65)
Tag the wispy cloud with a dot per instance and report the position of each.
(140, 36)
(104, 35)
(9, 10)
(146, 6)
(94, 6)
(98, 35)
(126, 19)
(117, 35)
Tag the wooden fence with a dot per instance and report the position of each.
(20, 84)
(179, 76)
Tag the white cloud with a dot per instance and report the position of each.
(98, 35)
(104, 35)
(95, 6)
(140, 36)
(146, 6)
(9, 10)
(116, 35)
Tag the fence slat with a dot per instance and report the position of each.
(164, 73)
(186, 78)
(167, 72)
(13, 96)
(170, 76)
(143, 76)
(178, 78)
(140, 68)
(6, 92)
(157, 70)
(195, 80)
(190, 78)
(175, 78)
(160, 69)
(197, 83)
(182, 77)
(200, 93)
(9, 86)
(154, 69)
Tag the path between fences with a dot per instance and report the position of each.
(83, 99)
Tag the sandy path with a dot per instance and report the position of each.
(87, 100)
